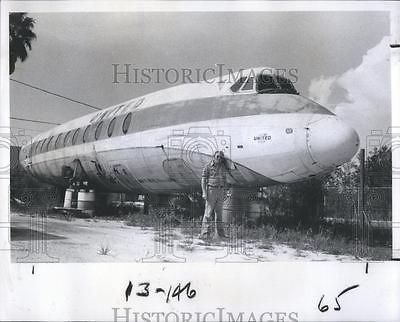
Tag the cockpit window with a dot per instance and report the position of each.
(235, 87)
(286, 85)
(248, 85)
(268, 84)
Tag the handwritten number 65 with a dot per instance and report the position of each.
(323, 308)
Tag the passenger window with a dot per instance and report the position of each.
(103, 115)
(86, 134)
(95, 117)
(235, 87)
(59, 141)
(74, 138)
(43, 146)
(111, 127)
(138, 103)
(66, 138)
(49, 144)
(115, 110)
(33, 148)
(127, 123)
(98, 131)
(37, 147)
(40, 146)
(99, 116)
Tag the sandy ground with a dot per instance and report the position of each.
(95, 240)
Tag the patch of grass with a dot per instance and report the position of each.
(266, 245)
(187, 245)
(319, 238)
(159, 239)
(210, 248)
(299, 253)
(190, 228)
(324, 240)
(104, 250)
(141, 220)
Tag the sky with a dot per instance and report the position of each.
(342, 58)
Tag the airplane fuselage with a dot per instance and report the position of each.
(160, 142)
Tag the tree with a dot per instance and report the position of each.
(307, 199)
(20, 38)
(345, 177)
(379, 167)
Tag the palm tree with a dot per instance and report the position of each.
(20, 38)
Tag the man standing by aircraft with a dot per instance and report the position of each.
(213, 185)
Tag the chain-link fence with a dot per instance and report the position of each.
(342, 204)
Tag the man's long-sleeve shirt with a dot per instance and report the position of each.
(214, 175)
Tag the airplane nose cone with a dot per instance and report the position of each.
(331, 142)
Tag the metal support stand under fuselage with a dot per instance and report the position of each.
(78, 199)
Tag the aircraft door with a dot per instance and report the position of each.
(308, 166)
(124, 177)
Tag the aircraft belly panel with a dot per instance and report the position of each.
(138, 169)
(152, 174)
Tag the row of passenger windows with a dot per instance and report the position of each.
(118, 110)
(73, 137)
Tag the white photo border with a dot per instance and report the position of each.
(91, 291)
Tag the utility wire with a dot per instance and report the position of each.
(55, 94)
(33, 121)
(26, 129)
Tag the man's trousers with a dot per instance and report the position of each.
(213, 210)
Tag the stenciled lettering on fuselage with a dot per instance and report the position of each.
(262, 138)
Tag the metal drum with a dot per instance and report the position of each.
(69, 193)
(234, 207)
(256, 210)
(86, 201)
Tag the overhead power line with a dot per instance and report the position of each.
(33, 121)
(55, 94)
(26, 129)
